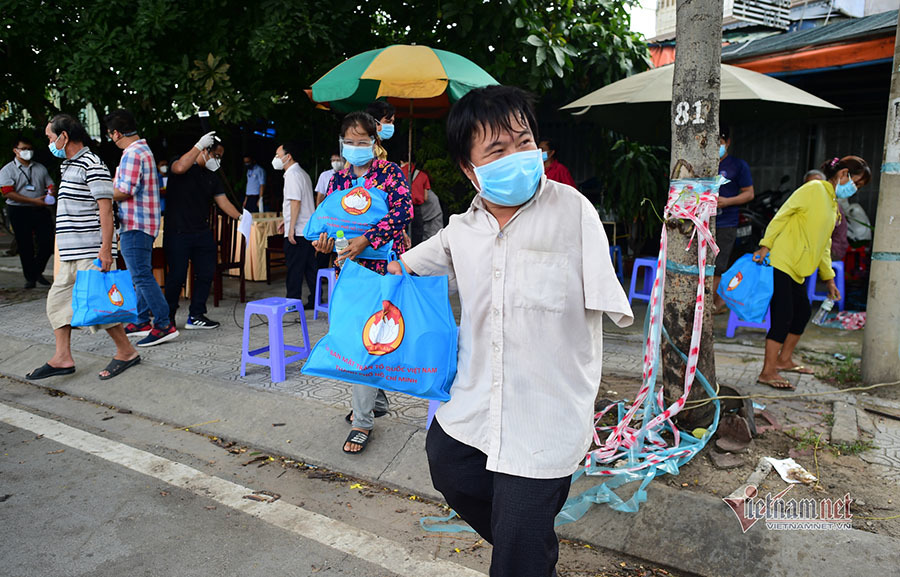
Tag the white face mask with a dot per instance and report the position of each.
(26, 154)
(278, 163)
(163, 170)
(337, 164)
(213, 164)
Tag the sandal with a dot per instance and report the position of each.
(116, 367)
(360, 438)
(349, 417)
(49, 370)
(781, 384)
(801, 369)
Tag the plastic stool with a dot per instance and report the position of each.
(327, 274)
(838, 280)
(649, 278)
(734, 322)
(856, 263)
(615, 255)
(274, 309)
(433, 406)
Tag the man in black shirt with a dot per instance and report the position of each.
(187, 235)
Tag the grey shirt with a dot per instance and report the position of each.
(31, 181)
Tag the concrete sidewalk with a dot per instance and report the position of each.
(194, 381)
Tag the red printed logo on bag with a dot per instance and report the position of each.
(384, 330)
(735, 281)
(357, 201)
(115, 297)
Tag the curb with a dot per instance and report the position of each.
(679, 529)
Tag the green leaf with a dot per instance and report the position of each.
(534, 40)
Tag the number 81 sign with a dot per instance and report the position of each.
(683, 113)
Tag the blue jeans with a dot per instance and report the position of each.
(137, 249)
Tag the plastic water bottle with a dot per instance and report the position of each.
(826, 307)
(340, 243)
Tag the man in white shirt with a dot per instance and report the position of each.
(530, 261)
(299, 204)
(337, 163)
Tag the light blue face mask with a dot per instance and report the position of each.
(357, 155)
(387, 131)
(721, 150)
(57, 152)
(845, 190)
(511, 180)
(544, 155)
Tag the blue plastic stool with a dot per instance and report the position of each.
(734, 322)
(838, 267)
(649, 278)
(433, 406)
(615, 255)
(274, 309)
(327, 274)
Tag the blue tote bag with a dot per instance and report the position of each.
(393, 332)
(747, 288)
(354, 211)
(100, 298)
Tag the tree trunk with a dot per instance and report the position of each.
(695, 145)
(881, 341)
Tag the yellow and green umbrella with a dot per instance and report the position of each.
(419, 81)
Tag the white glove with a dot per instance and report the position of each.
(206, 141)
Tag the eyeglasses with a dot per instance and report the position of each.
(359, 142)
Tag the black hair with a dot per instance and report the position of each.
(292, 147)
(121, 121)
(854, 164)
(22, 139)
(724, 132)
(492, 107)
(551, 144)
(380, 109)
(68, 124)
(362, 119)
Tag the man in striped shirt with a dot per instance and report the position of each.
(84, 232)
(137, 192)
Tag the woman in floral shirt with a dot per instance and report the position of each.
(358, 138)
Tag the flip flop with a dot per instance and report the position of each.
(49, 370)
(116, 367)
(360, 438)
(349, 417)
(780, 384)
(801, 369)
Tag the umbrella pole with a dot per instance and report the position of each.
(410, 141)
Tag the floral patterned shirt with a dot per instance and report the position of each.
(386, 176)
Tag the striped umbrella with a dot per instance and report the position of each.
(419, 81)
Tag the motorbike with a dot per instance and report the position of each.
(755, 216)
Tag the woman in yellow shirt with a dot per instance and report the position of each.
(799, 238)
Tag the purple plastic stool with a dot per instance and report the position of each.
(649, 278)
(327, 274)
(838, 267)
(433, 406)
(734, 322)
(274, 309)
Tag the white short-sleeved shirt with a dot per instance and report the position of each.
(297, 186)
(533, 295)
(324, 179)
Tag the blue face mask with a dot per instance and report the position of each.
(387, 131)
(721, 150)
(511, 180)
(845, 190)
(358, 155)
(544, 155)
(57, 152)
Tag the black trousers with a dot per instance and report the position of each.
(199, 249)
(300, 259)
(32, 225)
(514, 514)
(790, 309)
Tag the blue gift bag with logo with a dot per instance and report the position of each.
(393, 332)
(101, 298)
(354, 211)
(747, 288)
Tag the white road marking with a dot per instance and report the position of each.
(335, 534)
